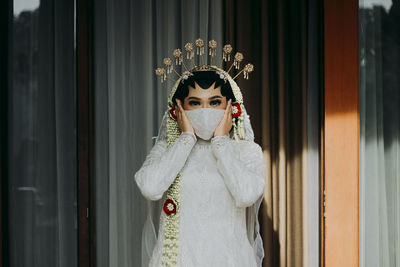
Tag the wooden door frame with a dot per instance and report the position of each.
(340, 136)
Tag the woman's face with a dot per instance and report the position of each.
(204, 98)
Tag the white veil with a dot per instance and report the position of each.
(149, 234)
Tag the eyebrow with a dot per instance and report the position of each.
(210, 98)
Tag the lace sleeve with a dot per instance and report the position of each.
(242, 167)
(162, 165)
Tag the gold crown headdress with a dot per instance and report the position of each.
(163, 72)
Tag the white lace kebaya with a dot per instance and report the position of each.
(220, 178)
(210, 188)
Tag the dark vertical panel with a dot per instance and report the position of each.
(101, 112)
(84, 53)
(314, 106)
(5, 23)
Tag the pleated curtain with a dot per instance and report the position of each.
(379, 134)
(273, 36)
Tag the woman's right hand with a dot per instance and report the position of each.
(184, 123)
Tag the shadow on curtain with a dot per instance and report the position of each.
(273, 34)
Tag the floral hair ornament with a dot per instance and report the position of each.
(172, 197)
(236, 110)
(172, 112)
(169, 206)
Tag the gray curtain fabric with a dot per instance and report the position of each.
(42, 167)
(131, 39)
(379, 135)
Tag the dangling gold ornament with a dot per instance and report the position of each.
(189, 50)
(226, 52)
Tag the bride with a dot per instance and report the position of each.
(209, 174)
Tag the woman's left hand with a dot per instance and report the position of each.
(225, 124)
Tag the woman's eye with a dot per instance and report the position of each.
(194, 103)
(215, 102)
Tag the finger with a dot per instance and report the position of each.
(227, 108)
(229, 117)
(178, 115)
(229, 104)
(182, 110)
(179, 104)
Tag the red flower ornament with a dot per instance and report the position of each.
(172, 112)
(236, 110)
(169, 206)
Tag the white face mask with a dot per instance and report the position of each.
(205, 120)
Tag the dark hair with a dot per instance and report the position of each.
(204, 79)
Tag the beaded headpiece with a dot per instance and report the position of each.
(172, 197)
(212, 50)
